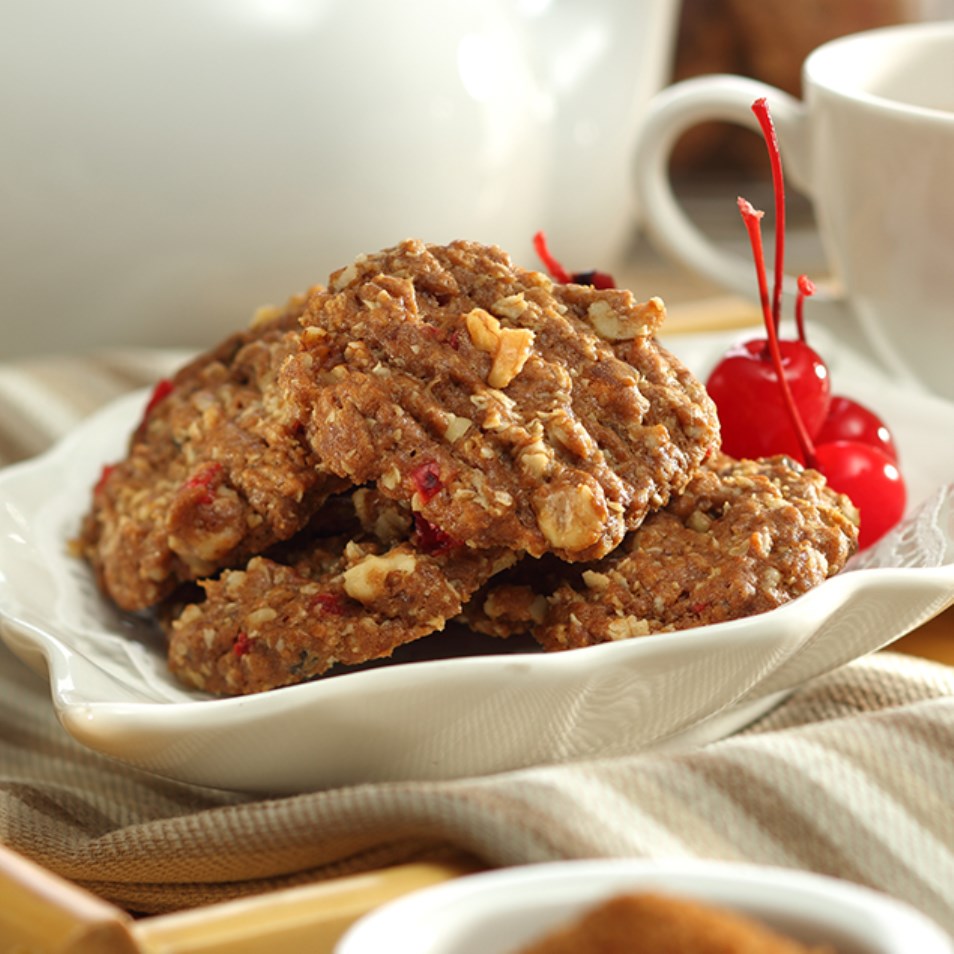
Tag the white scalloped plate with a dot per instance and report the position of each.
(495, 707)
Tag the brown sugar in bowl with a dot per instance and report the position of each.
(505, 911)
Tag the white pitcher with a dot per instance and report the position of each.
(167, 167)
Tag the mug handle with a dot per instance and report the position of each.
(720, 98)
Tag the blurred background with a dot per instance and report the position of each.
(767, 40)
(166, 168)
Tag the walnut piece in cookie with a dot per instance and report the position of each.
(507, 410)
(337, 601)
(211, 474)
(744, 537)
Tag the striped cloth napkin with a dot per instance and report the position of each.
(852, 776)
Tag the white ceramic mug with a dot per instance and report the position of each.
(872, 144)
(167, 167)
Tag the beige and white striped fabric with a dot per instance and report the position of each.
(853, 776)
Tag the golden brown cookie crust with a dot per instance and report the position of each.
(337, 601)
(211, 475)
(743, 538)
(495, 401)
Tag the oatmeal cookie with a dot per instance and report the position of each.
(335, 601)
(743, 538)
(507, 410)
(211, 475)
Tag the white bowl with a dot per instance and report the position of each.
(448, 706)
(500, 911)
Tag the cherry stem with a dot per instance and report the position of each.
(752, 218)
(761, 110)
(556, 270)
(806, 288)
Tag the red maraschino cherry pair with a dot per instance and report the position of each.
(773, 396)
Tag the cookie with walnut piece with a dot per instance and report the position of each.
(507, 410)
(743, 538)
(325, 602)
(211, 474)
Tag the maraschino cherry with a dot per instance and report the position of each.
(861, 471)
(850, 421)
(744, 383)
(744, 387)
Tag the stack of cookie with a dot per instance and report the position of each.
(439, 434)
